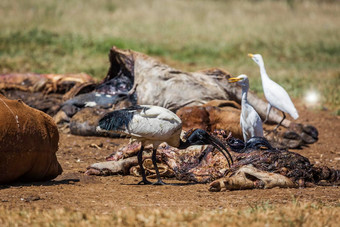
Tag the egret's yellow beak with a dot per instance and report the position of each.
(233, 79)
(250, 55)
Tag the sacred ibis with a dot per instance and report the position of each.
(275, 94)
(154, 125)
(250, 121)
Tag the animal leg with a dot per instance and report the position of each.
(140, 162)
(154, 161)
(269, 107)
(284, 116)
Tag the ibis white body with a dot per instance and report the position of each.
(152, 125)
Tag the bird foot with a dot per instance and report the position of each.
(159, 182)
(145, 182)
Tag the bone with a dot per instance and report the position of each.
(121, 166)
(249, 177)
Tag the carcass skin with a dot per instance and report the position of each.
(143, 80)
(158, 84)
(214, 115)
(124, 161)
(46, 83)
(28, 143)
(257, 166)
(248, 177)
(273, 168)
(45, 92)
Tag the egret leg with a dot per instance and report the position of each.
(269, 107)
(140, 162)
(154, 161)
(284, 117)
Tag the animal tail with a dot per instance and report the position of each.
(295, 115)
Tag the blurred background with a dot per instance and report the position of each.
(298, 39)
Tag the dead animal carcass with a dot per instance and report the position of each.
(28, 143)
(203, 99)
(143, 80)
(262, 166)
(45, 92)
(256, 165)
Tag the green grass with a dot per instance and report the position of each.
(299, 40)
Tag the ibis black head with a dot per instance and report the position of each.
(258, 143)
(236, 145)
(254, 143)
(201, 137)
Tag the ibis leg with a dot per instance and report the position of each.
(269, 107)
(154, 161)
(284, 117)
(140, 162)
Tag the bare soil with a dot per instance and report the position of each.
(103, 194)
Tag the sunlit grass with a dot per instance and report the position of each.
(299, 40)
(261, 214)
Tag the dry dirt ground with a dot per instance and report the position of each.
(73, 190)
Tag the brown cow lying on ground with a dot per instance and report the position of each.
(28, 143)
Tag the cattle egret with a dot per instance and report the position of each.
(154, 125)
(275, 94)
(250, 121)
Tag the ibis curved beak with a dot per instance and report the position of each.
(250, 55)
(233, 79)
(219, 146)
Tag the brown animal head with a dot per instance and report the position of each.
(214, 115)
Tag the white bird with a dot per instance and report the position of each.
(250, 121)
(154, 125)
(275, 94)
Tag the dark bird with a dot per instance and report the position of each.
(154, 125)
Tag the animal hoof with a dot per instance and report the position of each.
(292, 139)
(309, 134)
(93, 171)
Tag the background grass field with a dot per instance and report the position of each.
(299, 40)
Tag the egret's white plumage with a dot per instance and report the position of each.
(275, 94)
(154, 125)
(250, 121)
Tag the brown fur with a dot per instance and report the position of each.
(216, 114)
(28, 143)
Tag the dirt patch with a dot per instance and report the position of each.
(83, 193)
